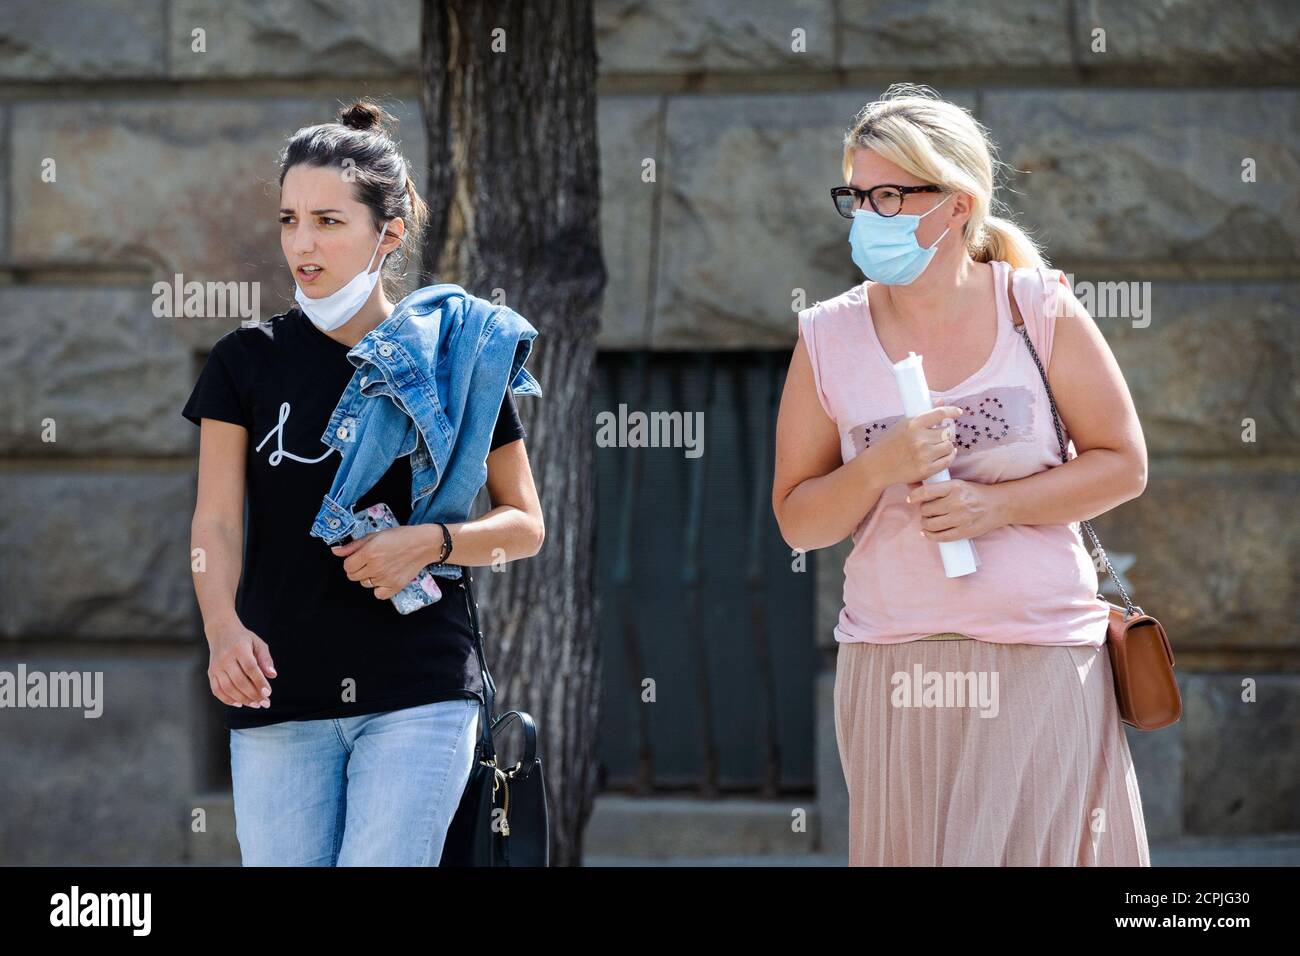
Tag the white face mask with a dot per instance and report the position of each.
(329, 312)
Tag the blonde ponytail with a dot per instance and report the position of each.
(1002, 239)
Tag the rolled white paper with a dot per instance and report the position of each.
(958, 556)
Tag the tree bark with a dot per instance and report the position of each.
(514, 197)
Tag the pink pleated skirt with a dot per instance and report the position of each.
(967, 753)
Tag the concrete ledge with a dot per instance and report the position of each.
(680, 831)
(669, 827)
(1276, 849)
(1281, 849)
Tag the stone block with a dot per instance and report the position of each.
(96, 362)
(696, 36)
(112, 790)
(98, 555)
(1152, 175)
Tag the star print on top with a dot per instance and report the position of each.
(994, 417)
(1035, 584)
(339, 650)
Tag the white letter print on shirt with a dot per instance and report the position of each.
(278, 431)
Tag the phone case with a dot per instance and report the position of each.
(424, 589)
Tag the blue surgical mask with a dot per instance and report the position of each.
(885, 247)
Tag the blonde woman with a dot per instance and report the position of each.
(975, 715)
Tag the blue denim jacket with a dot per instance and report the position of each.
(428, 384)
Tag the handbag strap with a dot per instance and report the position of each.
(487, 750)
(1129, 607)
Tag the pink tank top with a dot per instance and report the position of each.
(1034, 584)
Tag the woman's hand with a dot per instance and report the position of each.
(239, 665)
(917, 449)
(386, 560)
(956, 509)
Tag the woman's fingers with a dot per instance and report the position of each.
(248, 665)
(263, 654)
(361, 572)
(934, 416)
(934, 506)
(936, 435)
(223, 689)
(927, 448)
(940, 462)
(241, 686)
(940, 451)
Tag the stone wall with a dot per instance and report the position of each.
(1131, 170)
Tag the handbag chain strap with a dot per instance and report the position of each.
(1022, 327)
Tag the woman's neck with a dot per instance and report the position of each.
(368, 317)
(941, 297)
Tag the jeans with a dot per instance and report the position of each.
(371, 790)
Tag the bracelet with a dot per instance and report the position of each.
(446, 543)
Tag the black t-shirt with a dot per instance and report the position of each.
(338, 650)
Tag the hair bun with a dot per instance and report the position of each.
(366, 114)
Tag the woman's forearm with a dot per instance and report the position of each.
(823, 511)
(1098, 480)
(216, 575)
(504, 533)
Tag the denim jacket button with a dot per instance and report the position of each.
(385, 350)
(364, 379)
(334, 522)
(341, 432)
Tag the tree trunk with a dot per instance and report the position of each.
(513, 193)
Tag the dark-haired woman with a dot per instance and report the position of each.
(352, 727)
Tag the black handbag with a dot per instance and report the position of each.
(502, 818)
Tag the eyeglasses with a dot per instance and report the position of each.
(886, 199)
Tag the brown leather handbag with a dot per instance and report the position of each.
(1141, 658)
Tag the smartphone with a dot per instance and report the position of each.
(421, 592)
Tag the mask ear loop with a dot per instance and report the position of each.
(382, 233)
(928, 211)
(945, 232)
